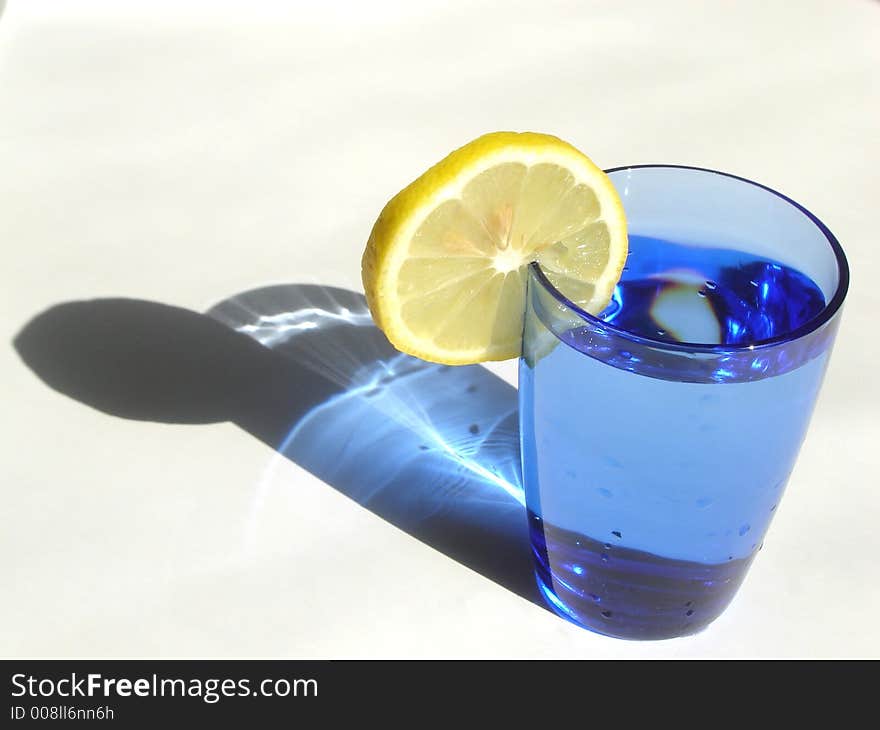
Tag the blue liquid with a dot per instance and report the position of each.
(711, 296)
(648, 495)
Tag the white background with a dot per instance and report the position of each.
(183, 152)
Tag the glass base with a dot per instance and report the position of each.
(626, 593)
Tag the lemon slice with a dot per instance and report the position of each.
(445, 266)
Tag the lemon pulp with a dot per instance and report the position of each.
(445, 267)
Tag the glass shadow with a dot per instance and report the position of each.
(433, 450)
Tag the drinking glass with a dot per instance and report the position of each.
(658, 437)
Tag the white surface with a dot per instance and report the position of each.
(183, 152)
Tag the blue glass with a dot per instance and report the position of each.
(658, 436)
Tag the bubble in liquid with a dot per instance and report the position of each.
(606, 614)
(474, 429)
(711, 285)
(689, 612)
(744, 529)
(616, 534)
(605, 557)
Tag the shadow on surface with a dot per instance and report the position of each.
(429, 448)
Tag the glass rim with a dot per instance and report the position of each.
(828, 311)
